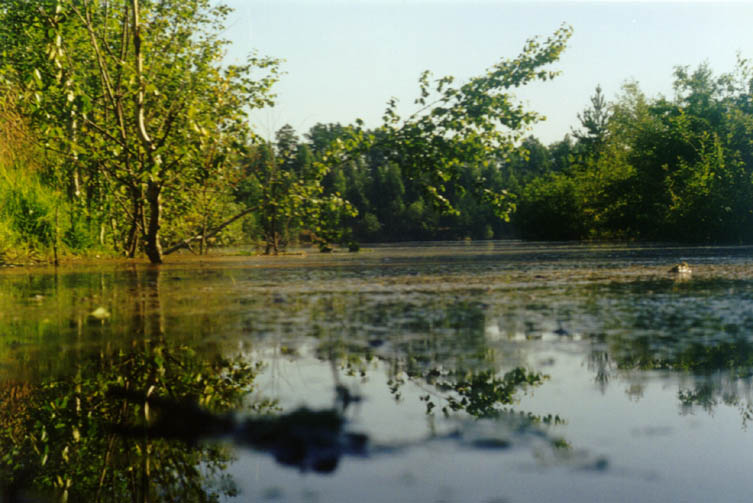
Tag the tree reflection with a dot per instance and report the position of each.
(437, 343)
(467, 380)
(57, 436)
(715, 370)
(600, 364)
(64, 433)
(695, 330)
(57, 431)
(480, 393)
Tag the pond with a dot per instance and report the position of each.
(438, 372)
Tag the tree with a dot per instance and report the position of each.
(560, 153)
(273, 190)
(474, 123)
(677, 169)
(531, 160)
(285, 182)
(594, 122)
(130, 94)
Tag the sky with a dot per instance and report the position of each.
(345, 60)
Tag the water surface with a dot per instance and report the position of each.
(489, 372)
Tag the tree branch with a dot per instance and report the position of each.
(212, 232)
(139, 76)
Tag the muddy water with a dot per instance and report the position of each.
(488, 372)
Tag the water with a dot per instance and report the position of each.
(489, 372)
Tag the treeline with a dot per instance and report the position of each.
(124, 132)
(638, 168)
(128, 134)
(641, 168)
(371, 199)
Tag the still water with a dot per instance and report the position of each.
(446, 372)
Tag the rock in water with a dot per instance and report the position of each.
(681, 268)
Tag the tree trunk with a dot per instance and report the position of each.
(136, 229)
(203, 240)
(273, 239)
(152, 246)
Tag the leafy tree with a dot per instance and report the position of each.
(129, 94)
(560, 153)
(677, 169)
(532, 159)
(549, 209)
(474, 123)
(286, 184)
(273, 190)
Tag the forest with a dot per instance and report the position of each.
(125, 134)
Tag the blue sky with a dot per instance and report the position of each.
(345, 60)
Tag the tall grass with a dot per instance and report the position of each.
(27, 210)
(32, 213)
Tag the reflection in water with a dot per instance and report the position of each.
(57, 438)
(96, 436)
(121, 416)
(119, 406)
(698, 329)
(306, 439)
(56, 430)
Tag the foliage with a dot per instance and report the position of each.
(656, 169)
(133, 98)
(549, 209)
(123, 128)
(35, 218)
(286, 186)
(473, 123)
(594, 123)
(432, 175)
